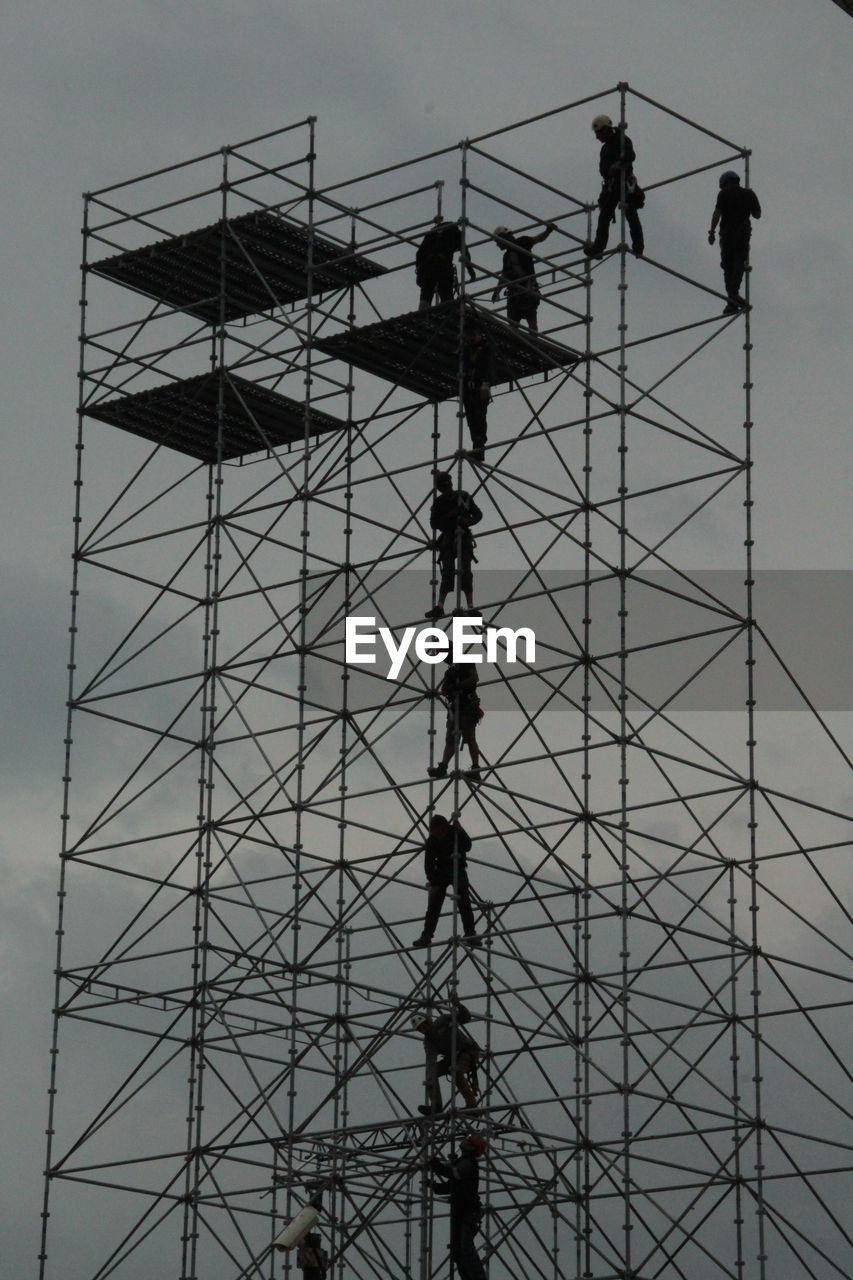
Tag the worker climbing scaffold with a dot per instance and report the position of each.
(452, 515)
(445, 867)
(461, 1185)
(458, 690)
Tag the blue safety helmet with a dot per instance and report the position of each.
(728, 177)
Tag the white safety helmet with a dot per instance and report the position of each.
(501, 231)
(601, 122)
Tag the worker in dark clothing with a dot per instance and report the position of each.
(434, 261)
(453, 513)
(616, 166)
(311, 1258)
(458, 690)
(518, 275)
(461, 1185)
(735, 206)
(478, 374)
(443, 1039)
(423, 1024)
(445, 867)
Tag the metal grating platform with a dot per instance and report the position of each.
(185, 416)
(420, 350)
(265, 266)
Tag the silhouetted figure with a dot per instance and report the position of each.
(461, 1185)
(452, 514)
(735, 206)
(616, 164)
(438, 1036)
(478, 374)
(518, 275)
(311, 1258)
(458, 690)
(434, 262)
(445, 864)
(424, 1024)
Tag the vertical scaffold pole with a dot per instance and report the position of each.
(753, 816)
(302, 677)
(625, 870)
(342, 941)
(65, 817)
(207, 746)
(583, 1022)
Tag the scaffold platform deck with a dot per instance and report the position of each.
(259, 264)
(184, 415)
(420, 350)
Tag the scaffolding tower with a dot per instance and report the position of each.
(657, 990)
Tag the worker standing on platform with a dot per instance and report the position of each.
(452, 514)
(445, 867)
(616, 166)
(311, 1258)
(434, 261)
(735, 206)
(458, 690)
(478, 374)
(461, 1185)
(518, 275)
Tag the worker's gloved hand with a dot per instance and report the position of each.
(485, 390)
(496, 295)
(710, 237)
(472, 275)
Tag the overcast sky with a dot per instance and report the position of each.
(94, 92)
